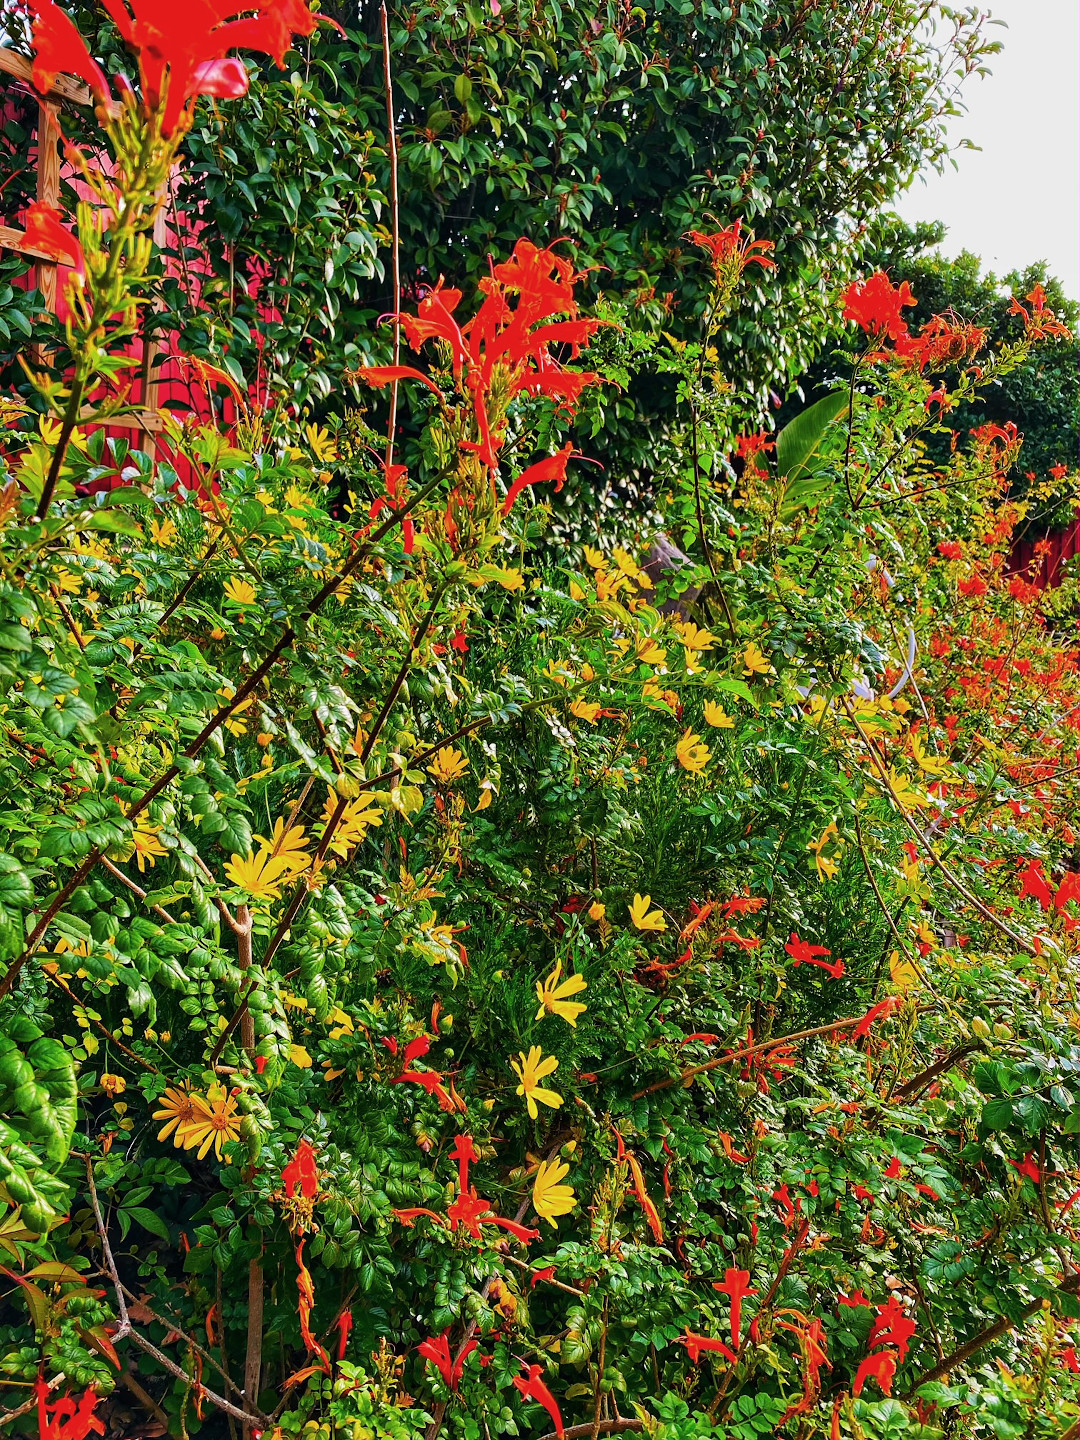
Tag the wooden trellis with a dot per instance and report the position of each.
(149, 419)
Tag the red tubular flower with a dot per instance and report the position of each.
(377, 376)
(301, 1172)
(875, 1013)
(407, 1217)
(437, 1350)
(1033, 883)
(1029, 1167)
(695, 1344)
(59, 49)
(552, 468)
(731, 251)
(533, 1388)
(44, 232)
(854, 1301)
(880, 1367)
(804, 953)
(431, 1082)
(651, 1213)
(344, 1327)
(891, 1327)
(464, 1152)
(736, 1285)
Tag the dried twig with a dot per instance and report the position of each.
(126, 1330)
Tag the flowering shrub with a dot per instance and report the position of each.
(445, 993)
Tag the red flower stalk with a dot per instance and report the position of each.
(874, 304)
(805, 954)
(812, 1340)
(731, 252)
(505, 347)
(735, 1284)
(695, 1344)
(301, 1173)
(880, 1367)
(891, 1327)
(437, 1350)
(939, 342)
(533, 1388)
(1040, 322)
(69, 1419)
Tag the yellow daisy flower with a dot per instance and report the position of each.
(214, 1122)
(240, 591)
(717, 716)
(755, 662)
(532, 1069)
(554, 996)
(642, 917)
(147, 846)
(177, 1110)
(260, 875)
(692, 754)
(550, 1198)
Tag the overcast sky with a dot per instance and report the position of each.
(1017, 199)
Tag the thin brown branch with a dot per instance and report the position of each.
(126, 1330)
(745, 1053)
(988, 1336)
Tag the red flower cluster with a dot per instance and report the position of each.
(181, 48)
(874, 304)
(68, 1419)
(429, 1080)
(505, 350)
(301, 1173)
(891, 1327)
(468, 1211)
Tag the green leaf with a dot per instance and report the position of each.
(797, 447)
(148, 1220)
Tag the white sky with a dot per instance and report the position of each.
(1017, 199)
